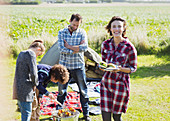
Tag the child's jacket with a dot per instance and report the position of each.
(44, 78)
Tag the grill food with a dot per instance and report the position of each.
(65, 113)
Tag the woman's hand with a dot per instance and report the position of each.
(122, 69)
(39, 100)
(117, 70)
(34, 88)
(99, 67)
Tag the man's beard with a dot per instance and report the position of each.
(71, 28)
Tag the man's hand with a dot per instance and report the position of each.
(51, 96)
(66, 44)
(75, 52)
(74, 48)
(82, 42)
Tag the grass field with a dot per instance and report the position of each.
(150, 91)
(149, 27)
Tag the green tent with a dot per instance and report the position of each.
(91, 59)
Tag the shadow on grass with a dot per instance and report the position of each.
(166, 56)
(46, 119)
(51, 84)
(50, 119)
(164, 53)
(154, 71)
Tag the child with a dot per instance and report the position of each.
(26, 78)
(46, 73)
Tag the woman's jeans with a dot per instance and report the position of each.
(80, 78)
(25, 108)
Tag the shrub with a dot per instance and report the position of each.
(96, 37)
(149, 33)
(26, 2)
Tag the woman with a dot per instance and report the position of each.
(120, 51)
(26, 78)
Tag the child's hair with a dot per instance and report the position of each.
(37, 43)
(60, 73)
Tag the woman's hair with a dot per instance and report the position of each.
(60, 73)
(116, 18)
(37, 43)
(77, 17)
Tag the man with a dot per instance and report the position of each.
(72, 44)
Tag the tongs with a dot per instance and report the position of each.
(59, 103)
(62, 105)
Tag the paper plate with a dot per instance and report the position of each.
(102, 67)
(109, 68)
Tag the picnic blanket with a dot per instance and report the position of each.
(47, 105)
(93, 88)
(72, 100)
(95, 110)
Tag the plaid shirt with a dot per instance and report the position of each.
(67, 58)
(115, 86)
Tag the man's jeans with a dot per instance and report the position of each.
(25, 108)
(80, 78)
